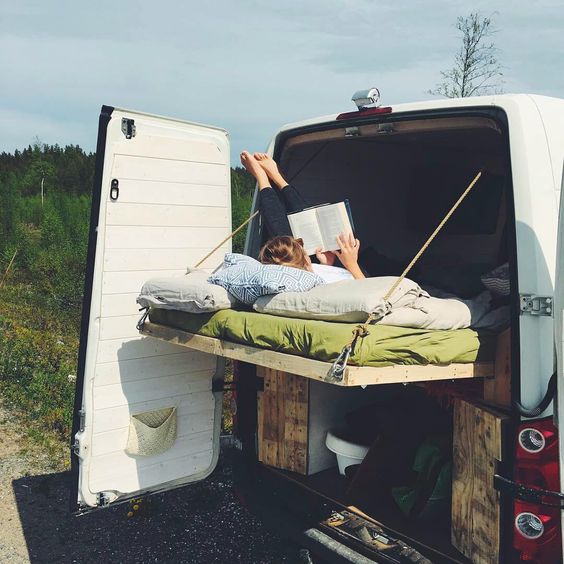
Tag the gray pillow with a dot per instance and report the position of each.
(348, 301)
(191, 293)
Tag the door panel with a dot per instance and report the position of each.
(171, 206)
(559, 338)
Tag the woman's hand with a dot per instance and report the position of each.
(327, 257)
(348, 255)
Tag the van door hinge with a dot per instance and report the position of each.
(535, 305)
(81, 419)
(75, 447)
(128, 127)
(102, 499)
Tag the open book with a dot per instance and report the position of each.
(320, 225)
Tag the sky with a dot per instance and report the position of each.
(248, 66)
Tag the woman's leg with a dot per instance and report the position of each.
(271, 208)
(292, 198)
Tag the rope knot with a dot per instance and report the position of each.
(361, 331)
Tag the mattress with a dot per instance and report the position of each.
(324, 340)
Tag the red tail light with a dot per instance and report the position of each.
(366, 113)
(536, 527)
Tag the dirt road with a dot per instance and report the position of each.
(201, 523)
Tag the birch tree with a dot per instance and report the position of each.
(476, 68)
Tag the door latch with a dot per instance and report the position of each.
(114, 189)
(535, 305)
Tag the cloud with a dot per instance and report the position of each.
(248, 66)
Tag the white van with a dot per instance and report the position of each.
(162, 201)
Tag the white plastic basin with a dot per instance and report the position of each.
(348, 453)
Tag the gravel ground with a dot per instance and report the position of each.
(200, 523)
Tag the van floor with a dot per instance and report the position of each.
(332, 485)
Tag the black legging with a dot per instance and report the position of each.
(275, 205)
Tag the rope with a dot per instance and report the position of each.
(361, 331)
(227, 238)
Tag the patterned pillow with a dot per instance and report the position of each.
(497, 281)
(247, 279)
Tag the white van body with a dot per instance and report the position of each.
(170, 206)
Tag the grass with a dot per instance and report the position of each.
(38, 356)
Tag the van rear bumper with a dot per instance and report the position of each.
(331, 550)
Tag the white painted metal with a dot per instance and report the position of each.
(537, 149)
(559, 334)
(173, 206)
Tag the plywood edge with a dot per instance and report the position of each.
(310, 368)
(317, 369)
(401, 373)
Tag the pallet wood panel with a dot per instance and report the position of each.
(497, 391)
(477, 448)
(283, 420)
(316, 369)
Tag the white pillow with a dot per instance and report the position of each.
(191, 293)
(348, 301)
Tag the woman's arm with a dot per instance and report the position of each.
(348, 255)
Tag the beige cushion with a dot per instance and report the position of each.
(191, 293)
(348, 301)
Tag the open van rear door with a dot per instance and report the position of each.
(161, 202)
(559, 338)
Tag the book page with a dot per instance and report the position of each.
(332, 220)
(304, 225)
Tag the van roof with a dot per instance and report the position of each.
(435, 104)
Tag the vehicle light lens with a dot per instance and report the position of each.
(531, 440)
(529, 525)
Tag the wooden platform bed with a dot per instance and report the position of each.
(316, 369)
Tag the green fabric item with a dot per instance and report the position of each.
(434, 476)
(324, 340)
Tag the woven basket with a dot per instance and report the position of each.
(151, 432)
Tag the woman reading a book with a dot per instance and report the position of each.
(283, 248)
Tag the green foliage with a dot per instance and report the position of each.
(36, 359)
(242, 189)
(40, 302)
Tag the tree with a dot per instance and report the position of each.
(476, 68)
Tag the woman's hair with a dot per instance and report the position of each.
(285, 250)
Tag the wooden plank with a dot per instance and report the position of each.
(497, 391)
(283, 420)
(307, 367)
(316, 369)
(403, 373)
(477, 448)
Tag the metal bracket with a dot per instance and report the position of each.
(548, 498)
(352, 132)
(102, 499)
(75, 447)
(536, 305)
(128, 127)
(82, 417)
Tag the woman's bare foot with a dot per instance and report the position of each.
(253, 167)
(271, 168)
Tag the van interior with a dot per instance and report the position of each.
(401, 177)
